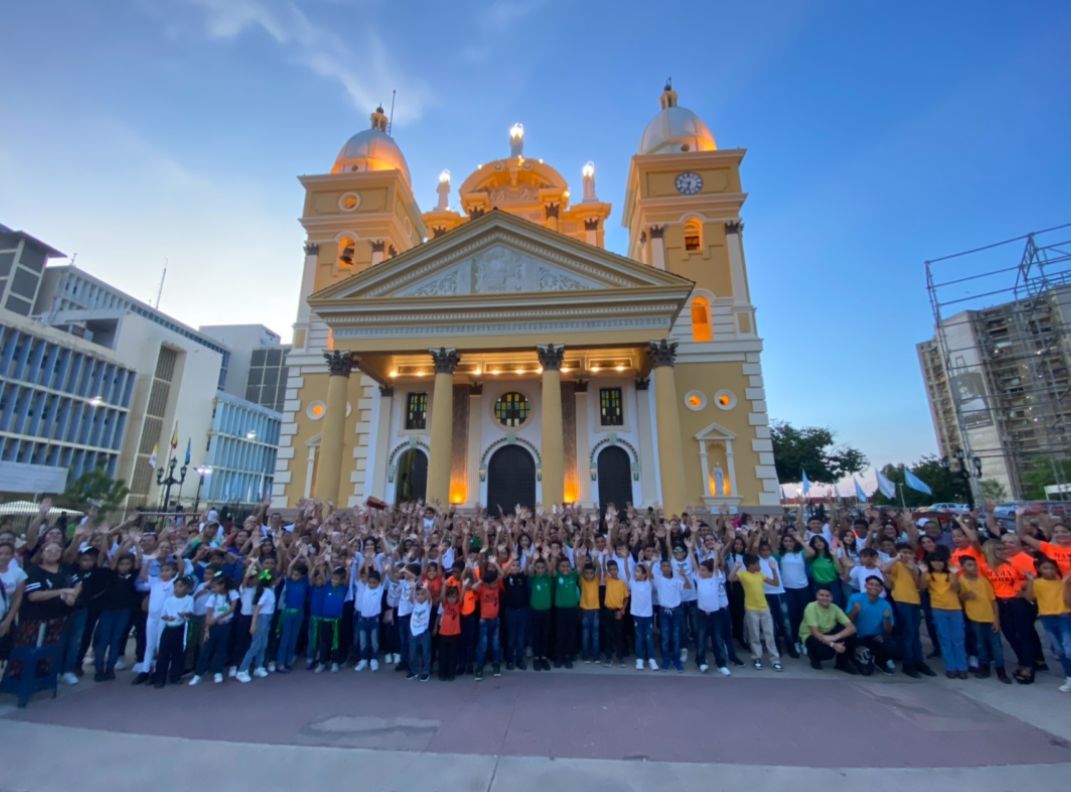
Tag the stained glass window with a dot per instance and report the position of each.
(416, 411)
(512, 409)
(610, 411)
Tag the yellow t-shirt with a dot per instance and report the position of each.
(1050, 597)
(616, 593)
(979, 608)
(754, 593)
(904, 588)
(942, 596)
(589, 593)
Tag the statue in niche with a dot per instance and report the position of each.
(719, 480)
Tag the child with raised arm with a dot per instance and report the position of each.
(175, 612)
(295, 595)
(419, 627)
(709, 584)
(263, 601)
(641, 608)
(489, 590)
(368, 611)
(220, 606)
(757, 617)
(448, 629)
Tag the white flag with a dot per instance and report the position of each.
(888, 489)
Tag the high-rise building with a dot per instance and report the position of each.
(22, 263)
(257, 363)
(497, 354)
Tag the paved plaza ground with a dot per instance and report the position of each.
(589, 729)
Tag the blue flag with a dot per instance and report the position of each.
(860, 494)
(888, 489)
(917, 484)
(806, 482)
(188, 441)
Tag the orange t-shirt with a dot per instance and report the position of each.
(1024, 562)
(435, 587)
(469, 598)
(489, 598)
(1007, 580)
(973, 552)
(451, 622)
(1061, 554)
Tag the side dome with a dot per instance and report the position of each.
(675, 129)
(372, 150)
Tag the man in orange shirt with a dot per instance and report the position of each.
(1059, 549)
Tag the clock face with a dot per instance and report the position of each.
(689, 183)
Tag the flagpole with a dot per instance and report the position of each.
(903, 504)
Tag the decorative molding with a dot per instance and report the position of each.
(339, 364)
(392, 465)
(510, 439)
(663, 352)
(550, 356)
(378, 245)
(613, 440)
(312, 248)
(580, 386)
(386, 391)
(502, 328)
(475, 388)
(734, 227)
(643, 383)
(657, 231)
(591, 224)
(445, 359)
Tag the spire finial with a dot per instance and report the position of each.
(669, 96)
(379, 119)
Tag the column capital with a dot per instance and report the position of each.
(475, 389)
(386, 391)
(591, 224)
(734, 227)
(340, 364)
(445, 359)
(550, 356)
(643, 383)
(657, 231)
(580, 386)
(312, 248)
(378, 245)
(437, 231)
(551, 210)
(662, 353)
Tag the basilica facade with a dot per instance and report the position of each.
(500, 355)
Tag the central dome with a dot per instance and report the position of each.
(371, 150)
(675, 129)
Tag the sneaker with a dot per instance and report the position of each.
(679, 666)
(140, 679)
(972, 662)
(232, 671)
(374, 664)
(271, 667)
(361, 666)
(890, 667)
(757, 664)
(243, 677)
(926, 670)
(120, 664)
(496, 671)
(334, 668)
(778, 667)
(319, 668)
(194, 681)
(410, 675)
(283, 670)
(479, 674)
(609, 663)
(724, 671)
(100, 676)
(425, 677)
(639, 665)
(1066, 686)
(684, 655)
(586, 660)
(217, 678)
(651, 664)
(70, 679)
(703, 668)
(260, 673)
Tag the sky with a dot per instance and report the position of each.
(139, 132)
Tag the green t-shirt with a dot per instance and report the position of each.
(540, 587)
(825, 619)
(822, 569)
(566, 590)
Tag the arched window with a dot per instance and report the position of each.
(693, 236)
(346, 250)
(701, 320)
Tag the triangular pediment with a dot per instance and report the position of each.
(499, 254)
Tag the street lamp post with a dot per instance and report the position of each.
(170, 481)
(964, 471)
(201, 471)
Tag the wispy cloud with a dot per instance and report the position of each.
(361, 63)
(501, 14)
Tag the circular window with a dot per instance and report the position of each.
(349, 201)
(512, 409)
(725, 399)
(695, 400)
(316, 410)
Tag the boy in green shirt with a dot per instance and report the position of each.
(540, 585)
(566, 605)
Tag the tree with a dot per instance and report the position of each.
(947, 486)
(811, 449)
(1042, 473)
(992, 490)
(97, 486)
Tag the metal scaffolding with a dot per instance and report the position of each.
(998, 371)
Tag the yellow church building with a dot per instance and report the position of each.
(499, 355)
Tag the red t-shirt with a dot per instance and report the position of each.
(451, 623)
(489, 597)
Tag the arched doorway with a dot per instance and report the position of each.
(411, 483)
(510, 480)
(615, 479)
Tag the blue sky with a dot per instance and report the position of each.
(878, 136)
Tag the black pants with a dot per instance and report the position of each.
(818, 651)
(565, 627)
(470, 631)
(92, 615)
(613, 634)
(736, 612)
(448, 646)
(879, 650)
(240, 639)
(329, 652)
(345, 630)
(540, 625)
(171, 658)
(213, 655)
(137, 623)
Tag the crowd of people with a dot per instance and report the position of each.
(418, 589)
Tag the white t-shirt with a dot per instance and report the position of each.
(159, 591)
(173, 608)
(405, 599)
(769, 567)
(266, 604)
(669, 590)
(794, 571)
(640, 598)
(420, 618)
(683, 569)
(9, 581)
(219, 604)
(368, 602)
(859, 574)
(708, 591)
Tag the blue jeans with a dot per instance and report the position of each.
(404, 637)
(419, 651)
(711, 629)
(254, 655)
(1058, 628)
(367, 637)
(589, 634)
(909, 617)
(72, 639)
(516, 629)
(488, 634)
(644, 627)
(108, 642)
(290, 627)
(778, 605)
(990, 648)
(670, 623)
(951, 635)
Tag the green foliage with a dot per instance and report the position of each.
(992, 490)
(1045, 472)
(97, 486)
(947, 486)
(811, 448)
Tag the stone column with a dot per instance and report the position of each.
(378, 246)
(329, 470)
(376, 475)
(591, 231)
(553, 439)
(670, 456)
(658, 247)
(442, 426)
(308, 286)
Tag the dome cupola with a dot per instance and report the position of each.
(675, 129)
(372, 150)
